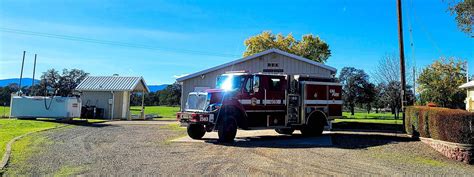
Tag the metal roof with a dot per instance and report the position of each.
(111, 83)
(467, 85)
(256, 56)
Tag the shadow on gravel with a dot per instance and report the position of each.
(76, 122)
(362, 141)
(367, 127)
(343, 141)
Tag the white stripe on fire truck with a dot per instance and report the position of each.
(322, 101)
(248, 101)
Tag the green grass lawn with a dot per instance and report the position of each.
(363, 117)
(4, 111)
(372, 115)
(11, 128)
(380, 121)
(167, 112)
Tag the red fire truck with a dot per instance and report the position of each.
(263, 101)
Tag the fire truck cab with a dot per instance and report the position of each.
(263, 101)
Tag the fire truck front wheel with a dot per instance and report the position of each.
(196, 131)
(227, 128)
(285, 131)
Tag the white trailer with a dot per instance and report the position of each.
(45, 107)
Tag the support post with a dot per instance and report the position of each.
(142, 113)
(402, 60)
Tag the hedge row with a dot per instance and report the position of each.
(453, 125)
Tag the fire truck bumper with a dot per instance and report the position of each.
(186, 118)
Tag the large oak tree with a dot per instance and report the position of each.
(439, 83)
(311, 47)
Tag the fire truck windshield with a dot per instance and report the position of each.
(228, 82)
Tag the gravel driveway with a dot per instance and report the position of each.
(122, 149)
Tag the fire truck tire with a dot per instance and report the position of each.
(227, 129)
(196, 131)
(315, 127)
(285, 131)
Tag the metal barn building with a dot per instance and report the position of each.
(111, 93)
(269, 61)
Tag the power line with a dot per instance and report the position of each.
(114, 43)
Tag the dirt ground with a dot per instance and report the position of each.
(123, 149)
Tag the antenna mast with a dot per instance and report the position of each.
(21, 73)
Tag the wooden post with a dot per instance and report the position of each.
(142, 114)
(402, 60)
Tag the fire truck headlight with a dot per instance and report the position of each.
(227, 84)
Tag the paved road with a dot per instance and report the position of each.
(122, 149)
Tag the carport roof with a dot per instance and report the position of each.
(112, 83)
(467, 85)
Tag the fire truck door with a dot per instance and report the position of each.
(252, 95)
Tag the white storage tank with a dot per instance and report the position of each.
(45, 107)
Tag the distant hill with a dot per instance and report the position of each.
(24, 81)
(154, 88)
(27, 82)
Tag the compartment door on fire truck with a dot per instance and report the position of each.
(274, 93)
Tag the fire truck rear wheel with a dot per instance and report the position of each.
(285, 131)
(196, 131)
(315, 127)
(227, 129)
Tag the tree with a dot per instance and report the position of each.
(379, 101)
(64, 84)
(464, 11)
(171, 95)
(49, 80)
(354, 82)
(309, 46)
(69, 81)
(5, 93)
(439, 83)
(388, 70)
(393, 98)
(368, 95)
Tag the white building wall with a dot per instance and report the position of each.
(470, 100)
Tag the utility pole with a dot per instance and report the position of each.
(414, 82)
(402, 60)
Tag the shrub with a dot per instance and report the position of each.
(453, 125)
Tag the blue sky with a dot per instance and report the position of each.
(189, 36)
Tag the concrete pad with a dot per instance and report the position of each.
(264, 138)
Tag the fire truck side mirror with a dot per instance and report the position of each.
(256, 83)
